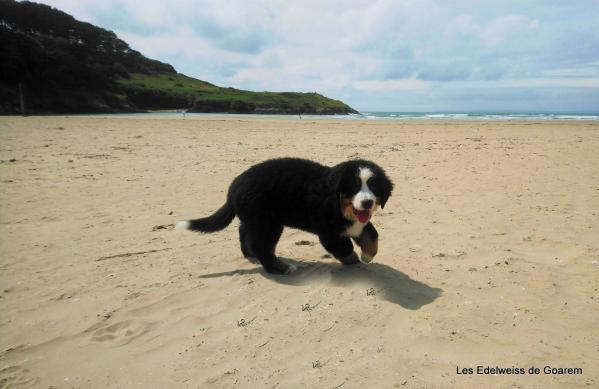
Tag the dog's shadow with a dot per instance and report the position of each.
(379, 279)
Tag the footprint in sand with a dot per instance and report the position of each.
(121, 333)
(16, 377)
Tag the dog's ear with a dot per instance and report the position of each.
(386, 189)
(334, 182)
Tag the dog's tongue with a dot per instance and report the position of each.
(363, 216)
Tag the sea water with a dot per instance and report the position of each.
(373, 115)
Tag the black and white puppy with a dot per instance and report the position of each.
(335, 203)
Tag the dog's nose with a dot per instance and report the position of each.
(367, 204)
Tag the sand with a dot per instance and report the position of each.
(488, 256)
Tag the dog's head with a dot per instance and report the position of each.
(361, 186)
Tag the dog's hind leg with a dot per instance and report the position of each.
(243, 242)
(341, 247)
(262, 241)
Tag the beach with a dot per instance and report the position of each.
(488, 256)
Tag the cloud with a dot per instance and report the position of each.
(356, 49)
(406, 84)
(531, 83)
(588, 70)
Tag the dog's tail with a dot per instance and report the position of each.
(219, 220)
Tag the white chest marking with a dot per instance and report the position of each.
(354, 230)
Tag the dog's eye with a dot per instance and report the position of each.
(371, 183)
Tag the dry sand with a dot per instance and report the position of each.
(489, 255)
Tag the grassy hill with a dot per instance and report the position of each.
(68, 66)
(206, 97)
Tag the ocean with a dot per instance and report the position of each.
(373, 115)
(477, 116)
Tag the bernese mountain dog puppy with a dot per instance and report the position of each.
(335, 203)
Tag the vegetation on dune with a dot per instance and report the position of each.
(68, 66)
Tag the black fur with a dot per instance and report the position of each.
(295, 193)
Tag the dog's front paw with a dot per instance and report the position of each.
(351, 259)
(366, 258)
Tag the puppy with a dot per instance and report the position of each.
(335, 203)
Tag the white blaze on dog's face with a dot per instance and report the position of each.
(363, 200)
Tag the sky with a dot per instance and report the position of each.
(375, 55)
